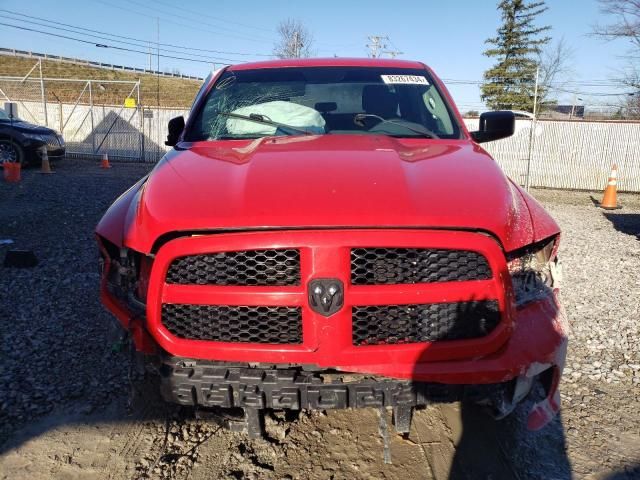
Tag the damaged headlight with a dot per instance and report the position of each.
(535, 271)
(126, 273)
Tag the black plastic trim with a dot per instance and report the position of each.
(191, 382)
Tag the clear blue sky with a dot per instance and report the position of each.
(449, 36)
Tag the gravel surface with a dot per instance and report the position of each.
(54, 350)
(67, 409)
(600, 252)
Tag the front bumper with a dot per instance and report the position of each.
(53, 152)
(535, 352)
(218, 384)
(33, 153)
(55, 145)
(528, 341)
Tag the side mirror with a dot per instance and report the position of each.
(176, 126)
(494, 126)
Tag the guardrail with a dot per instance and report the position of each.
(77, 61)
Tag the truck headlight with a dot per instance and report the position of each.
(125, 272)
(535, 271)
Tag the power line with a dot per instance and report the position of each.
(395, 52)
(201, 14)
(105, 45)
(564, 87)
(146, 42)
(593, 94)
(206, 57)
(584, 83)
(378, 47)
(191, 26)
(198, 19)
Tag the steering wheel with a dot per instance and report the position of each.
(359, 119)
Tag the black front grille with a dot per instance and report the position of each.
(379, 266)
(250, 267)
(281, 325)
(391, 324)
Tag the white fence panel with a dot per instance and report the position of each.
(566, 154)
(570, 154)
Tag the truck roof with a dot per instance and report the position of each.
(330, 62)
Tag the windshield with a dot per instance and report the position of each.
(3, 115)
(323, 100)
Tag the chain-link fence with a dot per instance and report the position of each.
(109, 116)
(94, 116)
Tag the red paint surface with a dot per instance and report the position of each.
(329, 62)
(325, 181)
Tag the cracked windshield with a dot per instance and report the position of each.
(294, 101)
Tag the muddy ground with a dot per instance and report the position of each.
(67, 410)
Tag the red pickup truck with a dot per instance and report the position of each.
(327, 233)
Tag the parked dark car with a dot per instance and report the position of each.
(20, 141)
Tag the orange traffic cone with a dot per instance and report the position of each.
(609, 200)
(12, 172)
(105, 161)
(45, 167)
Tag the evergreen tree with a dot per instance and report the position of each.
(509, 84)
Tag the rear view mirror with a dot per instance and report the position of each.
(494, 126)
(326, 107)
(176, 126)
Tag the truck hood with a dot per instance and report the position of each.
(326, 181)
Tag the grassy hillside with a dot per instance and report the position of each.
(174, 92)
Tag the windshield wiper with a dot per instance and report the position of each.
(360, 117)
(237, 137)
(259, 118)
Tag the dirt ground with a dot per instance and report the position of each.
(68, 411)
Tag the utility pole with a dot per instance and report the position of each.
(159, 140)
(158, 62)
(531, 133)
(376, 46)
(44, 94)
(573, 106)
(297, 46)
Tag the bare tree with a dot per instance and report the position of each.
(631, 107)
(625, 24)
(556, 68)
(295, 41)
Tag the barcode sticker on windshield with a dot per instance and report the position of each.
(405, 79)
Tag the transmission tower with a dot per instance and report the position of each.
(376, 45)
